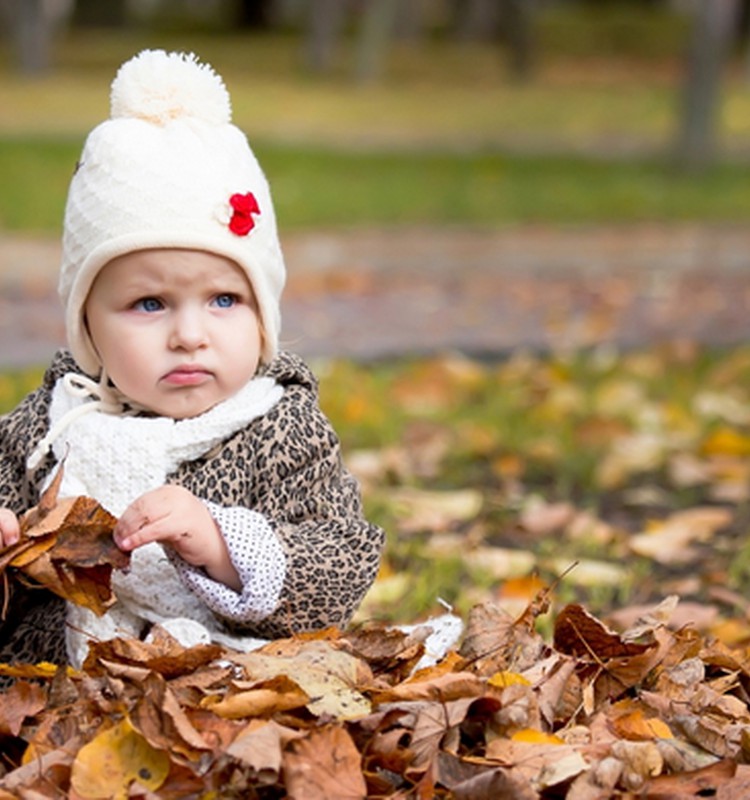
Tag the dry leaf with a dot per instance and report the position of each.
(266, 697)
(323, 765)
(259, 745)
(669, 542)
(107, 766)
(67, 546)
(166, 655)
(22, 700)
(578, 633)
(327, 675)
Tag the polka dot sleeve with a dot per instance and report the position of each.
(258, 557)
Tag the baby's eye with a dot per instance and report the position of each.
(225, 300)
(148, 304)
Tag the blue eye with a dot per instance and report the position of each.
(225, 300)
(148, 304)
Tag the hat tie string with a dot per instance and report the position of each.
(101, 396)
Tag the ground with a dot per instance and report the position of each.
(372, 293)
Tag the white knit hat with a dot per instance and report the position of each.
(168, 169)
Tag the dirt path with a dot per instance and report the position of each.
(376, 293)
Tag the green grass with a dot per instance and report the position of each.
(323, 187)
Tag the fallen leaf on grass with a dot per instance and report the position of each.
(422, 510)
(668, 542)
(541, 518)
(726, 441)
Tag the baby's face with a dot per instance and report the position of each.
(176, 330)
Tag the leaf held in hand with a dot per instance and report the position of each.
(67, 546)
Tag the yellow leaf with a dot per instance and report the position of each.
(726, 441)
(533, 736)
(502, 680)
(637, 726)
(107, 765)
(44, 669)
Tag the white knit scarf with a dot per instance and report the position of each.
(115, 459)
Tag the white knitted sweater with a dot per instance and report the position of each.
(115, 459)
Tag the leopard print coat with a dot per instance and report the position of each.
(286, 465)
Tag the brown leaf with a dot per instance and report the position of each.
(699, 783)
(264, 698)
(36, 773)
(386, 649)
(47, 502)
(434, 722)
(578, 633)
(159, 718)
(549, 763)
(496, 642)
(444, 688)
(166, 656)
(21, 701)
(67, 546)
(259, 746)
(323, 765)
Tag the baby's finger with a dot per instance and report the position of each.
(137, 526)
(130, 538)
(9, 528)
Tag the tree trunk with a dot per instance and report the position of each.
(95, 13)
(712, 35)
(516, 20)
(31, 30)
(475, 19)
(376, 30)
(324, 24)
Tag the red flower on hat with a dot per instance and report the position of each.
(244, 206)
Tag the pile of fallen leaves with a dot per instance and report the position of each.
(652, 711)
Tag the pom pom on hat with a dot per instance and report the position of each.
(168, 170)
(158, 87)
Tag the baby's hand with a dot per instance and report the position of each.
(9, 528)
(176, 517)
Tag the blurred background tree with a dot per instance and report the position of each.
(715, 29)
(372, 26)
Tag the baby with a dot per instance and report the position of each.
(174, 407)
